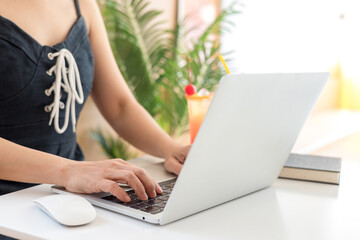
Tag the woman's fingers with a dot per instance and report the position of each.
(181, 157)
(133, 181)
(113, 188)
(172, 165)
(151, 187)
(105, 176)
(158, 188)
(124, 176)
(175, 161)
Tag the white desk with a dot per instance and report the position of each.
(286, 210)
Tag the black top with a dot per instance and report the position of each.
(24, 106)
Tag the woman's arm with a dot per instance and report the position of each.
(117, 104)
(18, 163)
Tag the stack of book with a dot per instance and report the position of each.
(312, 168)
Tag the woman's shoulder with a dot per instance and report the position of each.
(87, 9)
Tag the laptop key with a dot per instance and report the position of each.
(167, 191)
(157, 211)
(132, 202)
(158, 201)
(151, 209)
(110, 197)
(130, 192)
(133, 196)
(150, 201)
(135, 201)
(161, 205)
(137, 206)
(140, 205)
(164, 198)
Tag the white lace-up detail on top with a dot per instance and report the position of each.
(67, 79)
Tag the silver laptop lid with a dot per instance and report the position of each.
(246, 137)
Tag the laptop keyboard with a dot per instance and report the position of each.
(152, 205)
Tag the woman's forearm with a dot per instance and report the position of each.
(23, 164)
(137, 127)
(18, 163)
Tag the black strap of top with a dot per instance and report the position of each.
(77, 7)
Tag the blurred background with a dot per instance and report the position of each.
(255, 36)
(300, 36)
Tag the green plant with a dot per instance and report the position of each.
(150, 58)
(113, 147)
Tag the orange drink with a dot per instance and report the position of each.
(197, 108)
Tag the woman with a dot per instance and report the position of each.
(53, 54)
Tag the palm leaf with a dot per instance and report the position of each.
(134, 43)
(149, 58)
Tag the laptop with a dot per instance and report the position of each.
(248, 132)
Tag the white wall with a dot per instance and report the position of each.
(295, 35)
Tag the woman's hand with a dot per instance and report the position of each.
(104, 176)
(176, 158)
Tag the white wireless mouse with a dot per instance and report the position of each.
(69, 210)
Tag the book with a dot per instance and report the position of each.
(312, 168)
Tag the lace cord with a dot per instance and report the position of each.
(69, 80)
